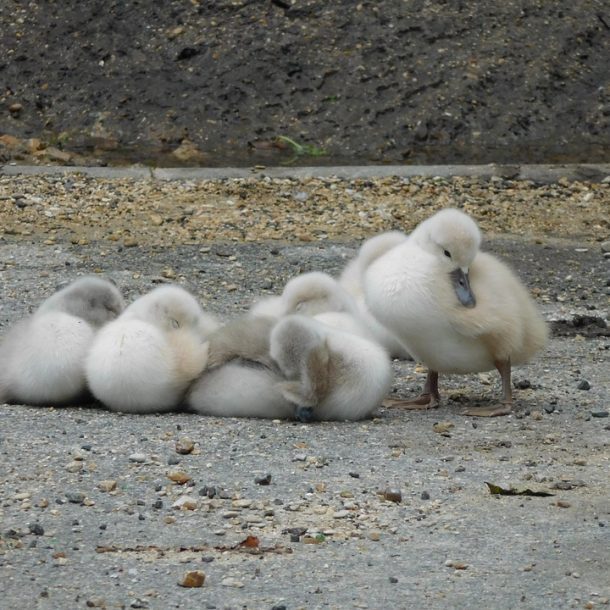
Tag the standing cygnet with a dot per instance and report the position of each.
(332, 375)
(456, 309)
(42, 358)
(240, 379)
(145, 361)
(352, 280)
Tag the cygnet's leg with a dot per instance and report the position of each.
(428, 399)
(506, 405)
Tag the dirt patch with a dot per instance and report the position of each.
(216, 82)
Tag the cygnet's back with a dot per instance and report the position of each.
(144, 361)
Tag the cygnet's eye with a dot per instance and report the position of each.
(174, 323)
(447, 253)
(299, 306)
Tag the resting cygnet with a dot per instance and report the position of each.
(308, 294)
(145, 361)
(456, 309)
(331, 374)
(319, 295)
(42, 358)
(352, 280)
(240, 379)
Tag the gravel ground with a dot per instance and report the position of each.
(387, 513)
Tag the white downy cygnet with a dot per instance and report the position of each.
(308, 294)
(42, 358)
(318, 295)
(145, 360)
(331, 374)
(240, 379)
(352, 280)
(456, 309)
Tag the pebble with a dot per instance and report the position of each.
(75, 497)
(374, 536)
(107, 485)
(442, 427)
(178, 476)
(193, 579)
(583, 384)
(232, 582)
(184, 446)
(341, 514)
(36, 529)
(266, 480)
(599, 413)
(393, 579)
(185, 503)
(536, 415)
(392, 495)
(138, 458)
(425, 495)
(242, 503)
(74, 466)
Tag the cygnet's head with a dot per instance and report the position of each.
(95, 300)
(169, 308)
(313, 293)
(454, 238)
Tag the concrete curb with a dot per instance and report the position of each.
(588, 172)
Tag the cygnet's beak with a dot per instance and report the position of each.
(304, 414)
(461, 285)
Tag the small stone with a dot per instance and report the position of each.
(523, 384)
(96, 602)
(354, 475)
(549, 408)
(178, 476)
(15, 108)
(232, 582)
(130, 242)
(184, 446)
(374, 536)
(168, 273)
(341, 514)
(536, 415)
(75, 497)
(599, 413)
(583, 384)
(442, 427)
(173, 460)
(242, 503)
(156, 220)
(74, 466)
(107, 485)
(266, 480)
(185, 503)
(605, 246)
(138, 458)
(563, 504)
(36, 529)
(169, 519)
(192, 579)
(425, 495)
(392, 495)
(456, 565)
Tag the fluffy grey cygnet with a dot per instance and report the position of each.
(42, 358)
(331, 374)
(241, 379)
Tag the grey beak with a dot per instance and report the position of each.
(304, 414)
(461, 285)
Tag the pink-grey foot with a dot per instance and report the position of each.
(428, 399)
(505, 406)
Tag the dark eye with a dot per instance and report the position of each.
(447, 253)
